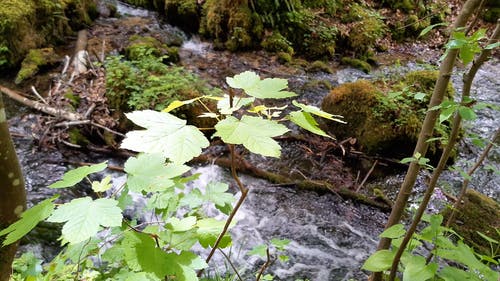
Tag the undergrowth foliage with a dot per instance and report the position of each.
(100, 243)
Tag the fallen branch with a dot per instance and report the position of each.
(306, 184)
(71, 116)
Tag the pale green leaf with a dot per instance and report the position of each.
(416, 269)
(238, 102)
(306, 121)
(29, 219)
(446, 114)
(244, 80)
(73, 177)
(267, 277)
(103, 185)
(379, 261)
(208, 231)
(419, 96)
(259, 250)
(394, 231)
(83, 216)
(280, 244)
(318, 112)
(252, 85)
(492, 46)
(165, 134)
(216, 193)
(179, 225)
(148, 172)
(487, 238)
(254, 133)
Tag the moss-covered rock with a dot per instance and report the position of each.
(36, 60)
(357, 63)
(319, 66)
(275, 42)
(385, 120)
(477, 213)
(365, 28)
(283, 57)
(27, 25)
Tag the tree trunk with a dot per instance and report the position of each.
(12, 193)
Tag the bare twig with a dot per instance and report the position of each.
(367, 175)
(231, 264)
(38, 95)
(265, 265)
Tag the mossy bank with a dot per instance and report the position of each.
(315, 29)
(30, 24)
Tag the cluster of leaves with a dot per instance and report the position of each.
(149, 83)
(414, 266)
(102, 244)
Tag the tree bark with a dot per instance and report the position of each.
(12, 192)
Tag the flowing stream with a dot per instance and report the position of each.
(330, 237)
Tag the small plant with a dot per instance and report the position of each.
(100, 243)
(446, 252)
(270, 253)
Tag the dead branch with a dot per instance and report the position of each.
(71, 116)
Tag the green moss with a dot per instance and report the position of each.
(26, 25)
(74, 100)
(284, 58)
(366, 28)
(491, 14)
(147, 83)
(183, 13)
(277, 43)
(34, 61)
(353, 101)
(76, 137)
(319, 66)
(477, 213)
(357, 63)
(141, 46)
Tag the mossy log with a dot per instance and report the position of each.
(243, 166)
